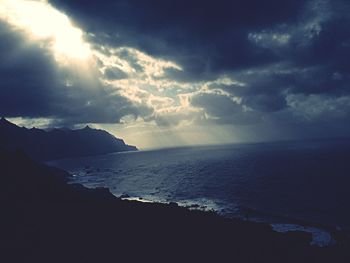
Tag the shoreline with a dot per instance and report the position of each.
(45, 219)
(159, 181)
(322, 235)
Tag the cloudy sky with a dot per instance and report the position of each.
(166, 73)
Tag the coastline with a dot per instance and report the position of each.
(322, 235)
(164, 177)
(45, 219)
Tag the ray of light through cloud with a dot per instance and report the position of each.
(41, 21)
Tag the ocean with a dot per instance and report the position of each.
(283, 183)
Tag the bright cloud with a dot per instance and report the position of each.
(41, 21)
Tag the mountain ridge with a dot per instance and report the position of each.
(45, 145)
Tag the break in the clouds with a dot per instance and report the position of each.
(274, 69)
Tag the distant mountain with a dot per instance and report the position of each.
(59, 143)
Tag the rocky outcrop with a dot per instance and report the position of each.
(59, 143)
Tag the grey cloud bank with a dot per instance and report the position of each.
(241, 63)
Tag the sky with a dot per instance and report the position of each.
(171, 73)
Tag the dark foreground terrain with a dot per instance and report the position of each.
(44, 219)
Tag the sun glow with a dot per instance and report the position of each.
(43, 22)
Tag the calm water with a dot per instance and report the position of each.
(275, 182)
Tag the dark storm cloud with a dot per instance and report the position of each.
(200, 35)
(281, 50)
(33, 86)
(262, 92)
(307, 93)
(290, 58)
(115, 73)
(330, 46)
(211, 37)
(311, 82)
(222, 109)
(23, 91)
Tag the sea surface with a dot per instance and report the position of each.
(283, 183)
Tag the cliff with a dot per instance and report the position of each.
(59, 143)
